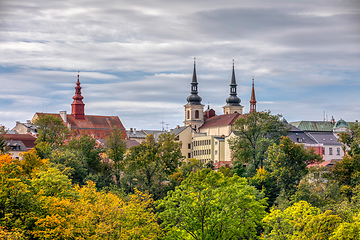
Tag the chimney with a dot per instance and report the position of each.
(63, 116)
(17, 123)
(178, 126)
(356, 121)
(28, 121)
(134, 131)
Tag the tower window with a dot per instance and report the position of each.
(197, 114)
(188, 114)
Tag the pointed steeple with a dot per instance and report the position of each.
(194, 98)
(233, 100)
(78, 107)
(253, 99)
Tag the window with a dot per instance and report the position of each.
(323, 151)
(338, 151)
(189, 145)
(215, 152)
(216, 143)
(188, 114)
(330, 151)
(197, 114)
(189, 155)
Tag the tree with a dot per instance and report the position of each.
(347, 173)
(149, 164)
(52, 130)
(208, 205)
(351, 139)
(317, 189)
(265, 182)
(288, 163)
(87, 152)
(3, 146)
(255, 133)
(103, 215)
(115, 150)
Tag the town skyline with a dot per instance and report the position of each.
(136, 59)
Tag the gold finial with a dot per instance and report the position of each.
(194, 60)
(233, 62)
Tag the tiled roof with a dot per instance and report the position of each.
(313, 126)
(324, 163)
(97, 126)
(221, 120)
(27, 139)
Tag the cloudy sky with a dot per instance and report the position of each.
(136, 57)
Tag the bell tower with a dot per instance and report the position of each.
(78, 107)
(233, 102)
(194, 110)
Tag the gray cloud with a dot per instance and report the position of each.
(135, 57)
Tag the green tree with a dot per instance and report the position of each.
(351, 139)
(52, 130)
(4, 148)
(265, 182)
(288, 163)
(208, 205)
(347, 173)
(88, 152)
(149, 165)
(255, 133)
(317, 189)
(115, 150)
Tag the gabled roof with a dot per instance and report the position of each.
(16, 145)
(221, 120)
(313, 126)
(27, 139)
(178, 130)
(94, 125)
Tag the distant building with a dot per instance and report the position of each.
(93, 125)
(19, 143)
(206, 133)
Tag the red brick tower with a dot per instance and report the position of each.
(253, 100)
(78, 107)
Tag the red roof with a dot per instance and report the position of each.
(221, 120)
(324, 163)
(27, 139)
(96, 126)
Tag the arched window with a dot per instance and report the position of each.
(188, 114)
(197, 114)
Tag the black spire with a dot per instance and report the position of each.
(233, 100)
(194, 98)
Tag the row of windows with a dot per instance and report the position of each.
(331, 151)
(201, 152)
(202, 142)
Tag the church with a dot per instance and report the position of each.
(205, 135)
(96, 126)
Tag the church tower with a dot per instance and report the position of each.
(233, 102)
(253, 100)
(78, 107)
(194, 110)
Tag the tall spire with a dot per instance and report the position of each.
(78, 107)
(253, 100)
(194, 98)
(233, 100)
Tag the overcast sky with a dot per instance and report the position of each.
(136, 57)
